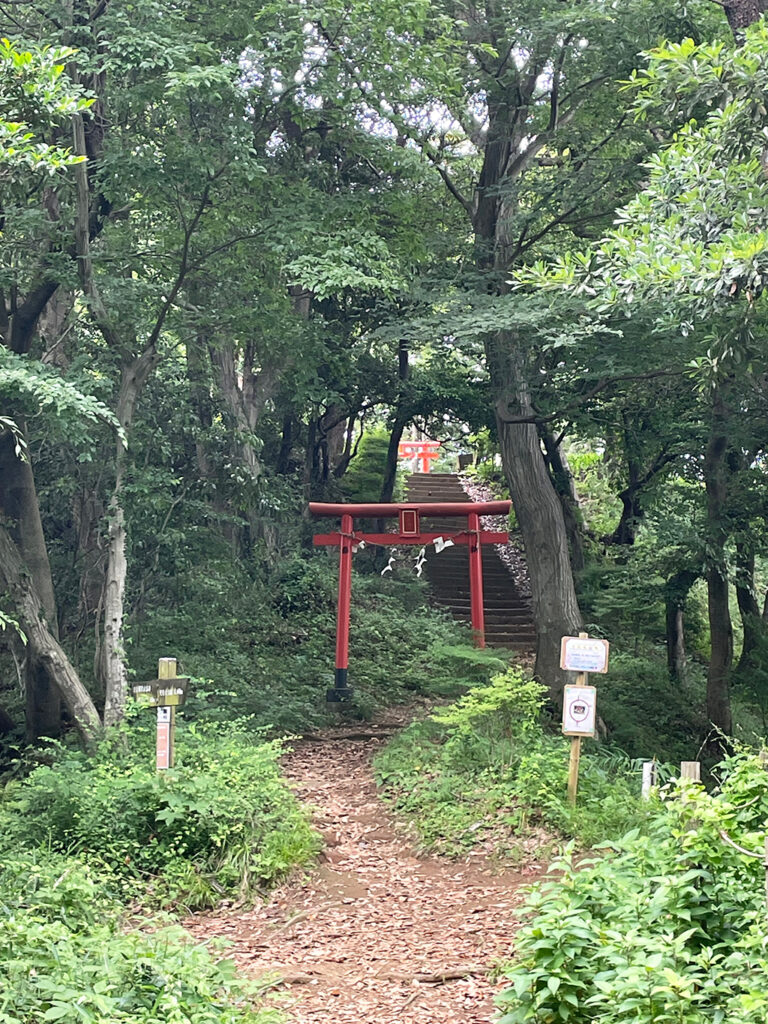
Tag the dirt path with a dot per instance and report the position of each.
(375, 933)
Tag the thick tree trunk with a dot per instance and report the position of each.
(676, 592)
(539, 514)
(20, 507)
(721, 632)
(742, 13)
(43, 646)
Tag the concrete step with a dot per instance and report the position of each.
(508, 619)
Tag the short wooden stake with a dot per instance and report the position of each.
(690, 770)
(166, 720)
(573, 770)
(649, 778)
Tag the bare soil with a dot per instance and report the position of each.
(374, 933)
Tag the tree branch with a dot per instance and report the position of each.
(583, 399)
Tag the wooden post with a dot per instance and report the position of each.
(573, 770)
(690, 770)
(649, 778)
(343, 607)
(582, 679)
(166, 720)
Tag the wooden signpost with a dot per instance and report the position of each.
(166, 693)
(582, 654)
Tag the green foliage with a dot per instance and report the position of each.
(485, 767)
(667, 926)
(35, 96)
(365, 476)
(695, 236)
(222, 822)
(35, 389)
(66, 957)
(645, 715)
(264, 647)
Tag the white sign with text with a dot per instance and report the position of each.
(583, 654)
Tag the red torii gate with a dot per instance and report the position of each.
(410, 532)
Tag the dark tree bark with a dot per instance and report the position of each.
(539, 514)
(43, 646)
(749, 609)
(676, 592)
(399, 424)
(20, 508)
(539, 511)
(721, 632)
(742, 13)
(286, 444)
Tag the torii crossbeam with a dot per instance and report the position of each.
(409, 532)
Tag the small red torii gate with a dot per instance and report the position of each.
(409, 532)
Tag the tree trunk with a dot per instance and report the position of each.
(43, 646)
(539, 514)
(676, 592)
(746, 596)
(742, 13)
(20, 507)
(286, 445)
(721, 632)
(113, 664)
(133, 380)
(632, 511)
(400, 422)
(562, 480)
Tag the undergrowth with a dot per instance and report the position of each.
(266, 648)
(66, 956)
(86, 836)
(665, 926)
(222, 822)
(485, 765)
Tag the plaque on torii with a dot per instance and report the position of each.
(409, 532)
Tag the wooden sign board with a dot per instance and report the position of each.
(584, 654)
(161, 693)
(164, 750)
(579, 710)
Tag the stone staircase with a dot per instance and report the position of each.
(508, 619)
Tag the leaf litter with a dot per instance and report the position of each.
(374, 933)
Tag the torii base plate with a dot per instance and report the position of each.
(339, 696)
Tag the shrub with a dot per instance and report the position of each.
(65, 957)
(666, 926)
(486, 763)
(221, 822)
